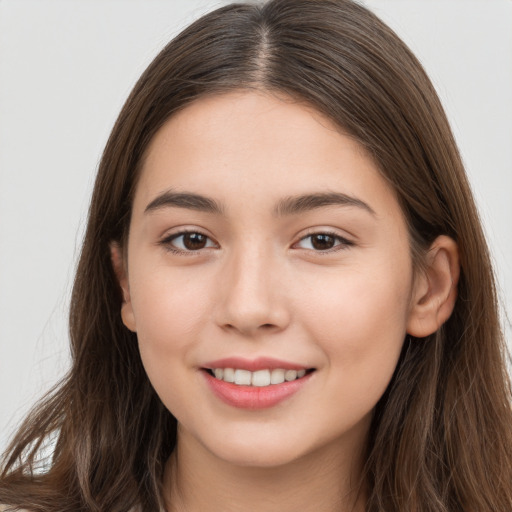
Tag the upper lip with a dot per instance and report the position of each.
(260, 363)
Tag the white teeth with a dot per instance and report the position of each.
(277, 376)
(259, 378)
(243, 377)
(290, 375)
(229, 375)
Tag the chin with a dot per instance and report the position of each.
(258, 458)
(258, 450)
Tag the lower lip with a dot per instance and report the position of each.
(254, 397)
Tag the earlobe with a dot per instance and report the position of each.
(119, 265)
(435, 291)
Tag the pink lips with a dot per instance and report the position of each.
(251, 397)
(261, 363)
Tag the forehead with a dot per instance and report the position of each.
(249, 146)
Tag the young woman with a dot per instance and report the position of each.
(284, 299)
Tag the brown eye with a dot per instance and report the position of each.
(188, 242)
(194, 241)
(322, 242)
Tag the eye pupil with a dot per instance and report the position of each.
(322, 242)
(194, 241)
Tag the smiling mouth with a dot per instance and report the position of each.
(259, 378)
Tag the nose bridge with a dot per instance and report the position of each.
(252, 298)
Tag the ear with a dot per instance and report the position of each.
(119, 264)
(435, 290)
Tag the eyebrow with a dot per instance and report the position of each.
(303, 203)
(288, 206)
(186, 200)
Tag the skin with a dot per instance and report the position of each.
(260, 287)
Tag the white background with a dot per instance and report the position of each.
(66, 68)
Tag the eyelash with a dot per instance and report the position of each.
(167, 243)
(341, 243)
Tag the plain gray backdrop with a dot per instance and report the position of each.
(66, 68)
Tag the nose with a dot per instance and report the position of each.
(252, 295)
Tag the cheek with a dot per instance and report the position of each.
(168, 303)
(359, 299)
(360, 320)
(170, 313)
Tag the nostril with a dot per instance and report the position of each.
(262, 327)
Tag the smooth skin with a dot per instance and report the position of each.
(326, 283)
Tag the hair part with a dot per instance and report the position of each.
(441, 437)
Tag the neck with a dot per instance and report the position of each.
(327, 481)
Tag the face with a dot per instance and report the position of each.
(264, 245)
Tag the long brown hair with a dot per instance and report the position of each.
(441, 438)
